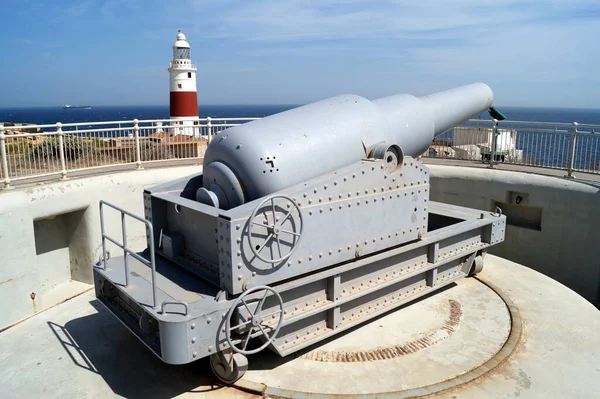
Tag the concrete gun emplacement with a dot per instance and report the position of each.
(301, 225)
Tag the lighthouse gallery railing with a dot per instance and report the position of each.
(30, 152)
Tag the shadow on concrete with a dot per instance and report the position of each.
(586, 182)
(100, 344)
(268, 360)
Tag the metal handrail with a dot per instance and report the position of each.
(555, 145)
(131, 122)
(127, 251)
(165, 303)
(82, 146)
(519, 122)
(202, 123)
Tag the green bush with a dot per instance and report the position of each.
(18, 148)
(150, 151)
(99, 143)
(74, 147)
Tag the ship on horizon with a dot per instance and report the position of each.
(67, 106)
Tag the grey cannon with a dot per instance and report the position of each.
(302, 225)
(264, 156)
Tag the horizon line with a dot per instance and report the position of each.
(274, 105)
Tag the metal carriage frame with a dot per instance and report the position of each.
(183, 312)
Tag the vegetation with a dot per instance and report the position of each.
(150, 151)
(74, 148)
(18, 147)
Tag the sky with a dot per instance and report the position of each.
(535, 53)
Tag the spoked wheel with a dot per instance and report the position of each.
(275, 229)
(253, 322)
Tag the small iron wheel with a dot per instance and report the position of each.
(255, 323)
(477, 265)
(228, 368)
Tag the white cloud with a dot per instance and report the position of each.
(380, 47)
(300, 20)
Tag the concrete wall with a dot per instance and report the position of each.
(50, 235)
(554, 228)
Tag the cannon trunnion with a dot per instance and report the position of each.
(287, 266)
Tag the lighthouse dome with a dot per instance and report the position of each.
(181, 41)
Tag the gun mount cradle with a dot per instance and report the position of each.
(288, 268)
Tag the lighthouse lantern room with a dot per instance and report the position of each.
(184, 96)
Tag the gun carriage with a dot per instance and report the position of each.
(301, 225)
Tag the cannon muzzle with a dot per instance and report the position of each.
(453, 107)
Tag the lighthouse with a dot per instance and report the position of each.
(184, 96)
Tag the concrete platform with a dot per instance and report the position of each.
(475, 350)
(444, 336)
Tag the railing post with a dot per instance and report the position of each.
(4, 158)
(572, 153)
(125, 259)
(209, 129)
(138, 152)
(494, 139)
(103, 233)
(61, 151)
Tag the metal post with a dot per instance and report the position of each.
(569, 174)
(494, 139)
(138, 154)
(103, 233)
(152, 263)
(209, 129)
(61, 151)
(125, 259)
(4, 158)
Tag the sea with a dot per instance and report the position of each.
(543, 148)
(50, 115)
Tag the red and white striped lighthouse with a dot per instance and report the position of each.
(184, 96)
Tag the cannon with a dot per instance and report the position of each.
(258, 158)
(301, 225)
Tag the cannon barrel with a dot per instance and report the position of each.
(258, 158)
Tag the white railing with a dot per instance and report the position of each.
(182, 64)
(568, 146)
(37, 151)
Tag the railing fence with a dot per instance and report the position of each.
(568, 146)
(35, 151)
